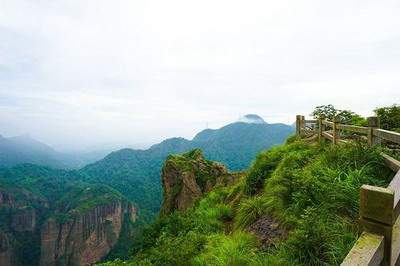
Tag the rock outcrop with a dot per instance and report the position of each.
(7, 256)
(86, 238)
(187, 177)
(34, 233)
(16, 219)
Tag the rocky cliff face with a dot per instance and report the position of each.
(7, 256)
(187, 177)
(31, 233)
(86, 238)
(16, 219)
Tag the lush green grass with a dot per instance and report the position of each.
(312, 190)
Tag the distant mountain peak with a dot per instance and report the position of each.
(252, 119)
(23, 136)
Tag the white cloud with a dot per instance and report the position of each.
(86, 72)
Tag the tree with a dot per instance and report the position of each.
(344, 116)
(327, 111)
(389, 117)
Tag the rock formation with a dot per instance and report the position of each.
(33, 233)
(187, 177)
(86, 238)
(7, 256)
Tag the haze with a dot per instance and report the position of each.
(77, 74)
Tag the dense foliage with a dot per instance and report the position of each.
(50, 193)
(63, 190)
(389, 117)
(310, 190)
(343, 116)
(136, 173)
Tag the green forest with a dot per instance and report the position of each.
(310, 191)
(296, 205)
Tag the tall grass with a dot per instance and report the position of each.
(312, 190)
(249, 211)
(237, 249)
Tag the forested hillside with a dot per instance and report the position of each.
(136, 173)
(50, 217)
(297, 205)
(25, 149)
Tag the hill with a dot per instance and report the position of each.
(297, 205)
(136, 173)
(25, 149)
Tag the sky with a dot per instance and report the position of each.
(88, 73)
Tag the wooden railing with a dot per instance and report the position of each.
(379, 241)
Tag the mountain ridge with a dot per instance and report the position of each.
(138, 171)
(25, 149)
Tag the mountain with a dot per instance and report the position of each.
(136, 173)
(187, 177)
(252, 119)
(237, 144)
(51, 217)
(298, 204)
(24, 149)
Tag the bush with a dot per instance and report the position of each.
(265, 164)
(249, 211)
(389, 117)
(311, 190)
(237, 249)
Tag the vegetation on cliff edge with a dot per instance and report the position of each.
(310, 190)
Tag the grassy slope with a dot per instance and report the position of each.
(311, 190)
(136, 173)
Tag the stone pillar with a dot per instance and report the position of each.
(378, 216)
(334, 133)
(373, 123)
(298, 125)
(319, 129)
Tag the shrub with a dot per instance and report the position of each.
(312, 190)
(237, 249)
(389, 117)
(249, 211)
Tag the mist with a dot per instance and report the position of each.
(85, 75)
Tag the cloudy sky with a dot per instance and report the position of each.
(79, 73)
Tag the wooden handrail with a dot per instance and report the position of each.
(311, 121)
(356, 129)
(368, 250)
(387, 135)
(391, 162)
(327, 123)
(327, 135)
(379, 244)
(395, 186)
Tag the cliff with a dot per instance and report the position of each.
(52, 220)
(6, 250)
(85, 238)
(187, 177)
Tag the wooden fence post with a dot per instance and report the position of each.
(320, 118)
(334, 133)
(298, 125)
(377, 216)
(373, 123)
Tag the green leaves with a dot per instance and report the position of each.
(310, 190)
